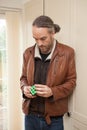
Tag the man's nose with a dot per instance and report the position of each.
(40, 43)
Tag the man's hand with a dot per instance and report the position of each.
(43, 90)
(27, 92)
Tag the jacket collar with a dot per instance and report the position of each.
(57, 50)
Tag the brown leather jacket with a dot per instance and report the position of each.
(61, 79)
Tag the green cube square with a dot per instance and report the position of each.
(33, 90)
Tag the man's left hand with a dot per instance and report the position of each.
(43, 90)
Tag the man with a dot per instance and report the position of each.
(49, 67)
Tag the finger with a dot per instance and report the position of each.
(39, 86)
(30, 96)
(40, 90)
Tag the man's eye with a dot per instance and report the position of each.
(43, 39)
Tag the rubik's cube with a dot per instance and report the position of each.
(33, 90)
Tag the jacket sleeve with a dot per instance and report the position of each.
(66, 88)
(23, 78)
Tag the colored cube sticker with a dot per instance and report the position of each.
(33, 90)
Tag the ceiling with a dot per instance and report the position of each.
(12, 3)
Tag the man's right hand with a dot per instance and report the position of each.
(26, 91)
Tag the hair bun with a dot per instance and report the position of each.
(56, 28)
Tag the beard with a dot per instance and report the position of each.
(45, 49)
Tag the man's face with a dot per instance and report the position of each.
(44, 39)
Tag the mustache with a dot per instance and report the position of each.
(41, 46)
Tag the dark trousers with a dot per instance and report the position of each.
(33, 122)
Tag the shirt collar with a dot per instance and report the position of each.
(37, 54)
